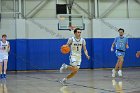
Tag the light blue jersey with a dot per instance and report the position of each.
(120, 43)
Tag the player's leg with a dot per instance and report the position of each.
(121, 58)
(76, 65)
(1, 63)
(5, 65)
(117, 64)
(73, 73)
(121, 62)
(116, 69)
(68, 67)
(72, 68)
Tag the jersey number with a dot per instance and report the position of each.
(77, 48)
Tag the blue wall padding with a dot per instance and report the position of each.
(12, 56)
(44, 54)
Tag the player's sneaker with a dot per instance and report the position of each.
(63, 67)
(63, 81)
(113, 73)
(120, 73)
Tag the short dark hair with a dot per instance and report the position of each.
(75, 30)
(4, 35)
(120, 29)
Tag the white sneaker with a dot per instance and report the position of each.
(63, 81)
(120, 73)
(63, 67)
(113, 73)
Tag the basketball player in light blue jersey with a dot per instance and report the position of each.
(121, 44)
(76, 44)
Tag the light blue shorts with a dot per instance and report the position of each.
(119, 53)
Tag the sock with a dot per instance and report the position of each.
(64, 79)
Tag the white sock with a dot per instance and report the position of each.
(0, 72)
(4, 73)
(64, 79)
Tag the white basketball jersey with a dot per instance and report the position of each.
(3, 47)
(76, 46)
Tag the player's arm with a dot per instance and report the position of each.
(85, 49)
(86, 52)
(127, 46)
(8, 49)
(69, 42)
(113, 45)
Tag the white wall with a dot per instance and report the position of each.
(106, 28)
(8, 26)
(38, 29)
(47, 28)
(134, 9)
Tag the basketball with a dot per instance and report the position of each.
(65, 49)
(138, 54)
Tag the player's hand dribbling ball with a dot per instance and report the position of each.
(138, 54)
(65, 49)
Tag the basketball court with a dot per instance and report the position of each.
(37, 30)
(90, 81)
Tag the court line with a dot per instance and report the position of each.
(73, 84)
(82, 85)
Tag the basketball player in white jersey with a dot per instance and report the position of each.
(4, 49)
(76, 44)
